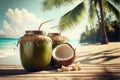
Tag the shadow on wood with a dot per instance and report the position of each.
(10, 72)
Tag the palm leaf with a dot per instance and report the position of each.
(110, 7)
(91, 11)
(49, 4)
(73, 17)
(116, 2)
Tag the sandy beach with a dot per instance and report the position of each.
(99, 54)
(86, 54)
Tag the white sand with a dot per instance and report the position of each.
(99, 54)
(11, 60)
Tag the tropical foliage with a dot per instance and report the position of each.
(92, 35)
(74, 16)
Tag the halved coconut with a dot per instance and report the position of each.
(63, 54)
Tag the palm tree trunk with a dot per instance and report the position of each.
(104, 39)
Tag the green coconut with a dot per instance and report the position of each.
(35, 51)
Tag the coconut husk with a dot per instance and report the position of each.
(57, 38)
(34, 36)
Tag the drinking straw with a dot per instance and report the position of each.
(44, 23)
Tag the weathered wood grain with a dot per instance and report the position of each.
(88, 72)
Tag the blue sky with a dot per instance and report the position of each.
(16, 16)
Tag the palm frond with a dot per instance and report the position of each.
(116, 2)
(110, 7)
(48, 4)
(73, 17)
(96, 2)
(91, 11)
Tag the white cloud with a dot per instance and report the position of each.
(7, 29)
(2, 33)
(20, 20)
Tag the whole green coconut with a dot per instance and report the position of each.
(35, 51)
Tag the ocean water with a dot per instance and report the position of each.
(74, 43)
(8, 46)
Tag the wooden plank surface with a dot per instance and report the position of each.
(88, 72)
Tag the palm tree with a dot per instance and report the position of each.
(74, 16)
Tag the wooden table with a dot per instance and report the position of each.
(88, 72)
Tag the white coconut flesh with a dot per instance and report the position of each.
(63, 52)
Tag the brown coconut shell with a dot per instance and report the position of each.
(34, 35)
(35, 32)
(57, 39)
(66, 62)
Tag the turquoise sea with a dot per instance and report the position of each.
(8, 46)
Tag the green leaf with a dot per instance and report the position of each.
(116, 2)
(92, 13)
(49, 4)
(110, 7)
(73, 17)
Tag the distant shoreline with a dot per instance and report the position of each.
(10, 38)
